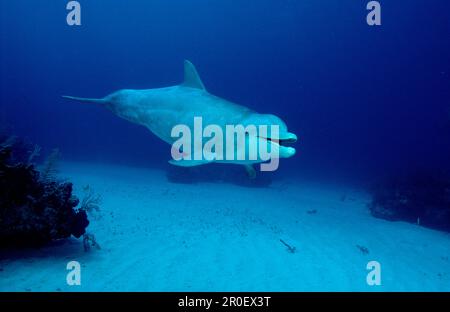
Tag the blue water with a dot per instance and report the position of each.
(365, 102)
(361, 99)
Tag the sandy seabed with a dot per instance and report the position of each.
(156, 235)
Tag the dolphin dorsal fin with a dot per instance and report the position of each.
(191, 77)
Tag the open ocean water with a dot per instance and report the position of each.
(363, 205)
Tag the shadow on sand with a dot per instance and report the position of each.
(218, 173)
(68, 249)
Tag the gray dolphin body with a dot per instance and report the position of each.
(161, 109)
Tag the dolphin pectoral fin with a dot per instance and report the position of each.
(188, 163)
(191, 77)
(208, 158)
(251, 172)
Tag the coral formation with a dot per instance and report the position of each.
(422, 197)
(89, 242)
(49, 170)
(35, 208)
(91, 201)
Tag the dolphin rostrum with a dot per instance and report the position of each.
(161, 109)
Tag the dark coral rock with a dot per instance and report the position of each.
(422, 197)
(35, 211)
(79, 223)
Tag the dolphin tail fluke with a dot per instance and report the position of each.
(85, 100)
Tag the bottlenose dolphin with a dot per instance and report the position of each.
(161, 109)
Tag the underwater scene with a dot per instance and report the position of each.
(264, 146)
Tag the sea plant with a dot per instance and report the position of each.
(34, 210)
(91, 200)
